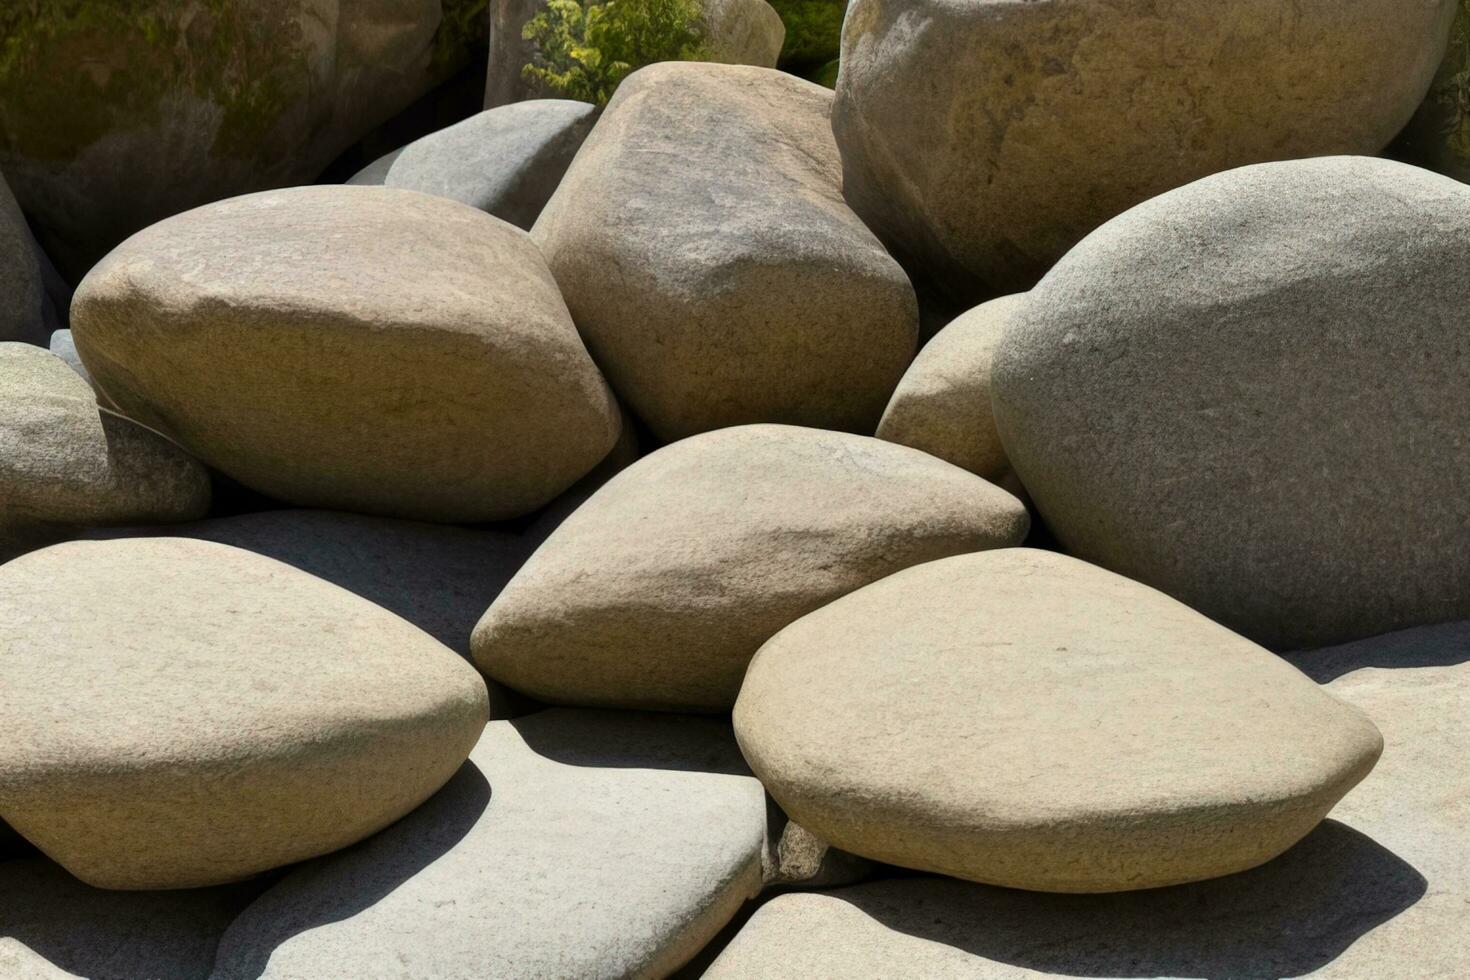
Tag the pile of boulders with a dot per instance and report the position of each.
(588, 544)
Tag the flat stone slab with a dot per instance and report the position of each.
(574, 844)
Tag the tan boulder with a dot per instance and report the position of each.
(1023, 719)
(658, 590)
(181, 713)
(66, 463)
(985, 138)
(705, 251)
(354, 348)
(942, 403)
(1381, 894)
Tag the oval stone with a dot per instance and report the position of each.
(357, 348)
(181, 713)
(1023, 719)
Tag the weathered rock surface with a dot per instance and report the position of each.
(1109, 738)
(706, 254)
(1382, 894)
(658, 590)
(22, 292)
(65, 463)
(438, 578)
(181, 713)
(736, 32)
(355, 348)
(57, 928)
(942, 404)
(1438, 137)
(574, 844)
(63, 346)
(505, 161)
(235, 96)
(984, 139)
(1250, 393)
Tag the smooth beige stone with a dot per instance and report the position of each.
(1382, 895)
(985, 138)
(356, 348)
(1250, 393)
(66, 463)
(712, 265)
(181, 713)
(1023, 719)
(657, 591)
(942, 403)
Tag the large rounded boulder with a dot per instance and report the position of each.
(181, 713)
(659, 589)
(1023, 719)
(65, 463)
(1251, 394)
(984, 138)
(707, 256)
(355, 348)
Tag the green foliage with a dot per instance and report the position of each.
(813, 33)
(1452, 88)
(585, 48)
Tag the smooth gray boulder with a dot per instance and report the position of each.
(182, 713)
(1382, 893)
(54, 927)
(658, 591)
(982, 139)
(1250, 394)
(505, 161)
(573, 844)
(355, 348)
(439, 578)
(22, 289)
(705, 252)
(66, 463)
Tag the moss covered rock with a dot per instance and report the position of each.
(115, 115)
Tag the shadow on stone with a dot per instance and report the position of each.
(605, 740)
(50, 920)
(1444, 645)
(338, 887)
(1288, 917)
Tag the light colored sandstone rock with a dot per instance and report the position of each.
(505, 161)
(356, 348)
(658, 590)
(22, 291)
(118, 115)
(707, 256)
(736, 32)
(1381, 895)
(181, 713)
(574, 844)
(942, 404)
(438, 578)
(57, 928)
(1250, 393)
(65, 463)
(1023, 719)
(984, 138)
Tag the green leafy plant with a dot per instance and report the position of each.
(813, 34)
(585, 48)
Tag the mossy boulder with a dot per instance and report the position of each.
(1438, 137)
(115, 115)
